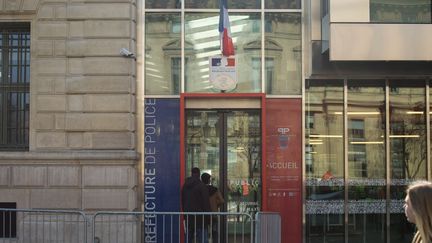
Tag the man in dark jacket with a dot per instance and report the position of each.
(195, 198)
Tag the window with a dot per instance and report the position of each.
(14, 86)
(175, 74)
(7, 220)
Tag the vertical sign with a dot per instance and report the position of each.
(161, 164)
(283, 166)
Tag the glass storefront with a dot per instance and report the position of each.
(269, 4)
(366, 161)
(365, 142)
(325, 185)
(268, 46)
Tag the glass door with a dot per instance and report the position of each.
(227, 145)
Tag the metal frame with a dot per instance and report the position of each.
(233, 96)
(182, 10)
(46, 225)
(170, 224)
(114, 226)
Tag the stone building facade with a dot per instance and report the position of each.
(81, 132)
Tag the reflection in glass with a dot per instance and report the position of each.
(407, 126)
(243, 154)
(204, 4)
(236, 168)
(396, 11)
(279, 4)
(366, 161)
(366, 129)
(163, 4)
(202, 42)
(244, 162)
(163, 52)
(407, 144)
(232, 4)
(324, 164)
(283, 53)
(202, 139)
(430, 124)
(367, 204)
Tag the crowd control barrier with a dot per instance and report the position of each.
(29, 225)
(63, 226)
(164, 227)
(268, 227)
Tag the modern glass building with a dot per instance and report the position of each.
(367, 118)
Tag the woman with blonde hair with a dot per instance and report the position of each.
(418, 210)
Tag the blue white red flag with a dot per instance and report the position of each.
(217, 62)
(226, 43)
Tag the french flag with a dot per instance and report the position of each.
(226, 43)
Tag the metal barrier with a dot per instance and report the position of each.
(268, 227)
(161, 227)
(27, 226)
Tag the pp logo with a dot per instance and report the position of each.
(283, 137)
(283, 130)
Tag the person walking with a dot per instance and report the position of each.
(418, 210)
(216, 201)
(195, 198)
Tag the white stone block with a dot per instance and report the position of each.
(107, 28)
(50, 140)
(51, 103)
(64, 176)
(44, 121)
(112, 140)
(99, 84)
(29, 5)
(4, 176)
(44, 48)
(106, 176)
(100, 103)
(50, 66)
(104, 199)
(101, 66)
(55, 198)
(29, 176)
(52, 29)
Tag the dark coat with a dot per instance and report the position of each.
(195, 198)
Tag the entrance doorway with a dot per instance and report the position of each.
(227, 145)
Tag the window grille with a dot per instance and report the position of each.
(14, 86)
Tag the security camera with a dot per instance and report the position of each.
(126, 53)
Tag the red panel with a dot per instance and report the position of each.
(182, 140)
(182, 156)
(283, 165)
